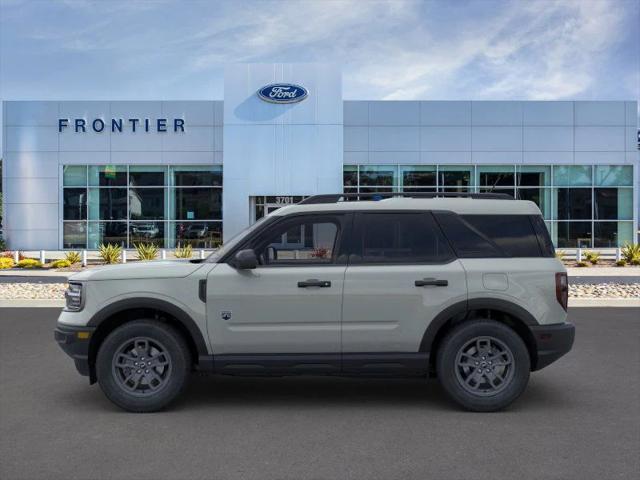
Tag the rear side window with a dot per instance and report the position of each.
(467, 241)
(544, 239)
(398, 238)
(513, 234)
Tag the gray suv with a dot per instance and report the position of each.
(462, 287)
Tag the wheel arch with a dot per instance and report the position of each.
(123, 311)
(503, 311)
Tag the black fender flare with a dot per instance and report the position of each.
(157, 304)
(461, 309)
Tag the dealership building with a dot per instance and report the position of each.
(80, 173)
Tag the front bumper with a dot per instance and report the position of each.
(552, 342)
(75, 343)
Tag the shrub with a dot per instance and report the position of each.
(592, 257)
(582, 264)
(183, 252)
(110, 253)
(6, 263)
(29, 263)
(61, 263)
(146, 251)
(621, 263)
(3, 244)
(9, 254)
(631, 253)
(73, 257)
(560, 254)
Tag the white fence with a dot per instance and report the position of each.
(87, 255)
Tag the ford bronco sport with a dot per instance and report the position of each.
(463, 287)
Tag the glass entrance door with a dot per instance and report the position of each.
(265, 204)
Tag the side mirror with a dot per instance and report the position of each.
(245, 260)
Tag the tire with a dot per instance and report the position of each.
(148, 388)
(483, 365)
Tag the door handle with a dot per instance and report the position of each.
(431, 282)
(314, 283)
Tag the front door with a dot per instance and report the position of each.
(401, 274)
(291, 303)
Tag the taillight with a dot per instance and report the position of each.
(562, 289)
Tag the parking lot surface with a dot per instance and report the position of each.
(579, 418)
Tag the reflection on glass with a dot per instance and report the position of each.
(574, 234)
(108, 175)
(196, 234)
(418, 176)
(350, 176)
(74, 175)
(572, 175)
(613, 203)
(74, 203)
(573, 203)
(146, 203)
(378, 175)
(107, 232)
(614, 175)
(107, 204)
(74, 235)
(197, 203)
(147, 176)
(455, 176)
(496, 175)
(146, 232)
(533, 175)
(196, 176)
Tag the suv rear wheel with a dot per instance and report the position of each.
(143, 365)
(483, 365)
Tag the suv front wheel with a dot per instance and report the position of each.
(143, 365)
(483, 365)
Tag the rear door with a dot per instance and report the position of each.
(401, 274)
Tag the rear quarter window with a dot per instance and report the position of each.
(513, 234)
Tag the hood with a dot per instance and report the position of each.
(138, 270)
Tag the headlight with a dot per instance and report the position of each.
(73, 296)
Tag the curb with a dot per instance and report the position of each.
(31, 303)
(603, 302)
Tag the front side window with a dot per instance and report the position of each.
(298, 241)
(398, 238)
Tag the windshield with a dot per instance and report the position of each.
(229, 244)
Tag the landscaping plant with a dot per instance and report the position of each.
(6, 263)
(582, 264)
(621, 263)
(631, 253)
(592, 257)
(560, 254)
(61, 263)
(110, 252)
(29, 263)
(183, 252)
(146, 251)
(73, 257)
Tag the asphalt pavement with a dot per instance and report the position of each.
(578, 419)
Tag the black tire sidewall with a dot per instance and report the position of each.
(446, 364)
(176, 349)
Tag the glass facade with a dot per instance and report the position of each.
(127, 205)
(588, 206)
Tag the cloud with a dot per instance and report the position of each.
(398, 49)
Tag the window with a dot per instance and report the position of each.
(305, 240)
(513, 234)
(573, 203)
(420, 178)
(466, 241)
(131, 204)
(399, 238)
(574, 234)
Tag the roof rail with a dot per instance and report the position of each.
(336, 197)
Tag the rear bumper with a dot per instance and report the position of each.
(552, 342)
(74, 345)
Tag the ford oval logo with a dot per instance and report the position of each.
(283, 93)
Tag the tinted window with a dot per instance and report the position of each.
(513, 234)
(466, 241)
(399, 238)
(305, 240)
(544, 239)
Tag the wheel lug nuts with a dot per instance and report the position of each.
(139, 371)
(477, 363)
(146, 371)
(136, 364)
(479, 370)
(149, 363)
(487, 370)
